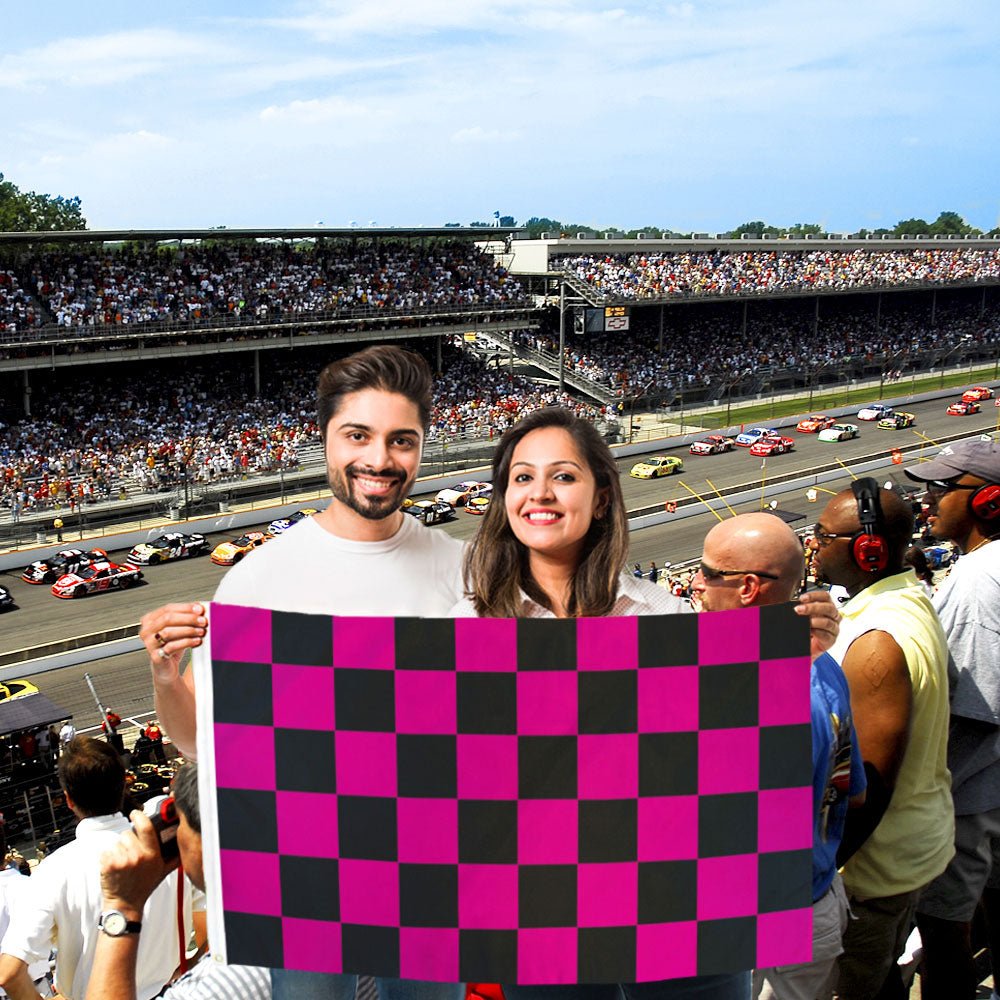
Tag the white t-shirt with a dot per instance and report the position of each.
(307, 569)
(13, 885)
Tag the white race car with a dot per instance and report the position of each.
(172, 545)
(875, 411)
(460, 495)
(839, 432)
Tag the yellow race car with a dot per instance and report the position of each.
(658, 465)
(16, 689)
(230, 553)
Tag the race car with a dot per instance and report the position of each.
(95, 578)
(63, 562)
(839, 432)
(277, 526)
(172, 545)
(875, 411)
(749, 437)
(977, 394)
(478, 505)
(962, 408)
(897, 421)
(10, 690)
(658, 465)
(814, 424)
(460, 494)
(6, 601)
(430, 511)
(714, 444)
(771, 446)
(230, 553)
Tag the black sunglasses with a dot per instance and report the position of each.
(711, 573)
(937, 487)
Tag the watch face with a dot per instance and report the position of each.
(114, 923)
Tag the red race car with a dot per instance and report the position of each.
(977, 394)
(772, 446)
(962, 408)
(95, 578)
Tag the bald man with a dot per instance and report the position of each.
(894, 654)
(753, 560)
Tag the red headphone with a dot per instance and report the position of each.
(868, 548)
(985, 502)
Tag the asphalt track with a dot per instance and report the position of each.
(123, 680)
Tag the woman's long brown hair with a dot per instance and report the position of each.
(496, 564)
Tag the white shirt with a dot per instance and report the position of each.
(13, 885)
(62, 905)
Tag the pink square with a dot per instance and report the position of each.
(547, 831)
(727, 887)
(784, 819)
(369, 892)
(366, 763)
(728, 760)
(547, 955)
(668, 700)
(235, 746)
(429, 954)
(486, 644)
(784, 938)
(729, 636)
(547, 703)
(784, 692)
(668, 828)
(608, 894)
(487, 897)
(425, 701)
(427, 831)
(242, 635)
(307, 824)
(303, 696)
(607, 643)
(609, 766)
(311, 945)
(666, 951)
(487, 767)
(364, 643)
(251, 882)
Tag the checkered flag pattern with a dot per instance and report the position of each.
(519, 801)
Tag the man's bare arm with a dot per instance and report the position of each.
(15, 980)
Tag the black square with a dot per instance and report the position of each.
(427, 766)
(370, 950)
(609, 830)
(252, 938)
(425, 644)
(487, 832)
(668, 891)
(606, 954)
(547, 767)
(365, 700)
(608, 701)
(544, 644)
(247, 820)
(310, 888)
(487, 703)
(784, 881)
(304, 639)
(367, 827)
(487, 956)
(785, 756)
(727, 945)
(728, 695)
(242, 693)
(304, 761)
(783, 633)
(668, 641)
(668, 763)
(428, 895)
(546, 896)
(727, 824)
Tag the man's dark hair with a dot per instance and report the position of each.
(93, 776)
(383, 367)
(185, 792)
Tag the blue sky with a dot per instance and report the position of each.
(696, 114)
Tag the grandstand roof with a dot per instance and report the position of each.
(305, 232)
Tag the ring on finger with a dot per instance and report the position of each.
(163, 653)
(160, 641)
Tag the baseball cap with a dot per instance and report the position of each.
(977, 457)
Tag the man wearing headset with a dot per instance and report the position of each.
(895, 657)
(963, 506)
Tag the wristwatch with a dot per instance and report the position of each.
(114, 923)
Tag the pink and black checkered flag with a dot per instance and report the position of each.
(529, 801)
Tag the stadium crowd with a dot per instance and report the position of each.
(718, 272)
(254, 281)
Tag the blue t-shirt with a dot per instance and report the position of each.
(838, 771)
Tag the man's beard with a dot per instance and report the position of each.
(372, 508)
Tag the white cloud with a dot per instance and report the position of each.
(477, 134)
(319, 111)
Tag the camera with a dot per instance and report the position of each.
(165, 821)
